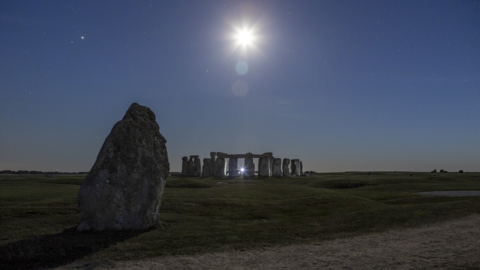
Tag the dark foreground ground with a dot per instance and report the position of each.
(446, 245)
(38, 215)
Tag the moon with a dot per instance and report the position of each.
(244, 37)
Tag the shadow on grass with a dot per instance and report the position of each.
(50, 251)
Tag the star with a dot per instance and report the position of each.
(82, 37)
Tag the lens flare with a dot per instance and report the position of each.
(241, 67)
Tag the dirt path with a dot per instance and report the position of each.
(450, 245)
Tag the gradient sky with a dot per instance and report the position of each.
(341, 85)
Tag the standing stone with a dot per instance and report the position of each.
(277, 167)
(286, 170)
(233, 167)
(123, 190)
(268, 156)
(249, 167)
(270, 165)
(263, 170)
(191, 166)
(197, 171)
(293, 167)
(301, 168)
(207, 167)
(184, 166)
(297, 164)
(220, 167)
(212, 163)
(260, 162)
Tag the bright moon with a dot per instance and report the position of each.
(244, 37)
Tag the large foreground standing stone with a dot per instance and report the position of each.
(123, 189)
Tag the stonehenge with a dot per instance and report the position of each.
(220, 164)
(191, 167)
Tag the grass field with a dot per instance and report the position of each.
(38, 215)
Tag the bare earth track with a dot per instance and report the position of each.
(450, 245)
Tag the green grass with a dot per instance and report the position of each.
(38, 214)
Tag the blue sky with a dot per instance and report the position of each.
(341, 85)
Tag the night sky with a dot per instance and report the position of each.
(341, 85)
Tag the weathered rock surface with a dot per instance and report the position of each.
(277, 167)
(286, 169)
(123, 190)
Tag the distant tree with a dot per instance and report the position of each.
(461, 171)
(442, 170)
(434, 171)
